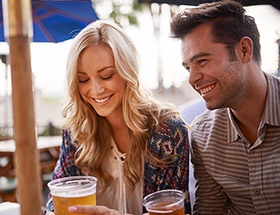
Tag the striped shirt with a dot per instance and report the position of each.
(232, 175)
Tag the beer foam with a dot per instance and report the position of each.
(73, 186)
(73, 194)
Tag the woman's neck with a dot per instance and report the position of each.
(120, 132)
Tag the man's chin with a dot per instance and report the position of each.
(211, 106)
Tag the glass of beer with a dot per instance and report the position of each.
(74, 190)
(165, 202)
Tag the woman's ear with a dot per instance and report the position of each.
(245, 49)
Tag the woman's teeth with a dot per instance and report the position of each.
(102, 100)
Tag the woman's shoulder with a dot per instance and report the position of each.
(66, 133)
(173, 124)
(67, 139)
(169, 130)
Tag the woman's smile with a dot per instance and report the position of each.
(103, 100)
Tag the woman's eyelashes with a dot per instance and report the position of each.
(84, 80)
(82, 77)
(107, 77)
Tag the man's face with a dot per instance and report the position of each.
(212, 74)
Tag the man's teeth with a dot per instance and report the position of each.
(102, 100)
(207, 89)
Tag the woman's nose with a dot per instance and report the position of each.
(97, 88)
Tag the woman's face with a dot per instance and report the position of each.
(98, 81)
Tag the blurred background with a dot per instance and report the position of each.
(161, 69)
(147, 23)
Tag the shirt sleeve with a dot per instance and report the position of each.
(210, 197)
(168, 143)
(65, 165)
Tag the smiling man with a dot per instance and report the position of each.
(236, 144)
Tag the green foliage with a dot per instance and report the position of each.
(132, 20)
(122, 13)
(117, 13)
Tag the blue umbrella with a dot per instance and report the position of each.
(57, 20)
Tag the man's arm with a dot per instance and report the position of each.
(210, 197)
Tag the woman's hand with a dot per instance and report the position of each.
(93, 210)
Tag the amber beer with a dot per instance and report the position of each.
(165, 202)
(75, 190)
(163, 209)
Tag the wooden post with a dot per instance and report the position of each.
(18, 33)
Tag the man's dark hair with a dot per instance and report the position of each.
(229, 24)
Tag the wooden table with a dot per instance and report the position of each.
(48, 148)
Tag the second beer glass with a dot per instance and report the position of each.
(165, 202)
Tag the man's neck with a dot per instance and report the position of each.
(249, 114)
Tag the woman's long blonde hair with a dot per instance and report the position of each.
(141, 112)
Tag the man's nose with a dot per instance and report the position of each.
(194, 76)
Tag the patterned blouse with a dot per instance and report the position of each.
(169, 139)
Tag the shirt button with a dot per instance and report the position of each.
(257, 191)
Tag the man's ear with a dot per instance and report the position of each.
(245, 49)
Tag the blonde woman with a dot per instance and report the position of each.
(114, 130)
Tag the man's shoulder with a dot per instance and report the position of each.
(209, 119)
(273, 80)
(210, 128)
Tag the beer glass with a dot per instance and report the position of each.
(165, 202)
(74, 190)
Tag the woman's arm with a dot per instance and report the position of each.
(65, 165)
(168, 141)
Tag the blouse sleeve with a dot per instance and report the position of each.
(65, 165)
(168, 142)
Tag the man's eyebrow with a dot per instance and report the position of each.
(202, 54)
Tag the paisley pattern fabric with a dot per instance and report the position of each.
(168, 142)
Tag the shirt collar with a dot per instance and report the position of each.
(271, 113)
(232, 129)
